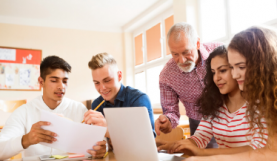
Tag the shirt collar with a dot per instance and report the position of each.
(201, 59)
(121, 94)
(203, 53)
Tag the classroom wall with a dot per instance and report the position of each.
(75, 46)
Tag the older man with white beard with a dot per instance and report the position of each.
(182, 78)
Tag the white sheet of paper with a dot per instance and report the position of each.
(170, 157)
(24, 77)
(72, 136)
(9, 79)
(7, 54)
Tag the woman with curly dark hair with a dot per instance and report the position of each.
(252, 55)
(224, 114)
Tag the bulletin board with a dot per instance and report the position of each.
(19, 69)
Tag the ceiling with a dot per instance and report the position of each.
(98, 15)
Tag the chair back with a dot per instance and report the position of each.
(175, 135)
(3, 118)
(6, 108)
(10, 106)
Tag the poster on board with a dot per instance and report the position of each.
(19, 69)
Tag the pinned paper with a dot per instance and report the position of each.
(9, 79)
(24, 77)
(7, 54)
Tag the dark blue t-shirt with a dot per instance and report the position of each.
(127, 97)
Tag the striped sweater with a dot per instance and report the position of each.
(229, 129)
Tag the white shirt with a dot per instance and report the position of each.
(21, 121)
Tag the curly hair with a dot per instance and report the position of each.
(211, 99)
(259, 46)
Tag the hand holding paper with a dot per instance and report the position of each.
(72, 137)
(99, 150)
(37, 135)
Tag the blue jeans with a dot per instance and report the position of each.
(193, 124)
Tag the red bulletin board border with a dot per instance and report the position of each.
(21, 54)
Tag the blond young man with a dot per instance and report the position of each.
(106, 78)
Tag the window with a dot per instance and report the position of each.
(168, 22)
(151, 53)
(140, 81)
(153, 37)
(221, 19)
(245, 13)
(153, 84)
(212, 19)
(139, 49)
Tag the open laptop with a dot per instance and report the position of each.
(132, 136)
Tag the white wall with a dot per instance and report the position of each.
(75, 46)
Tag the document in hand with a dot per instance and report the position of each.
(72, 137)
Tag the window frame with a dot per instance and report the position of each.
(159, 61)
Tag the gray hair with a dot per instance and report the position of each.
(184, 27)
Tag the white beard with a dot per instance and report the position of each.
(188, 68)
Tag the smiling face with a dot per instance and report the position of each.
(222, 76)
(184, 53)
(238, 65)
(107, 82)
(54, 86)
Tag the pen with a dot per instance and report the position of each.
(96, 108)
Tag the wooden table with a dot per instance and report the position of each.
(110, 157)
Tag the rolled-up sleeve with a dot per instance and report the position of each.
(169, 102)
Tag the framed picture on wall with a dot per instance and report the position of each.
(19, 69)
